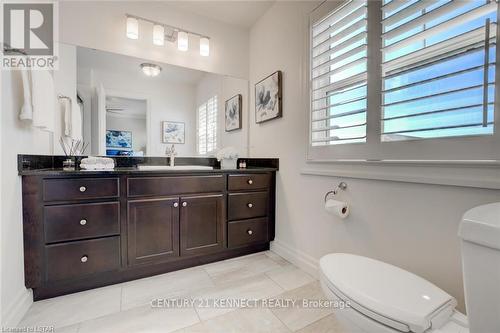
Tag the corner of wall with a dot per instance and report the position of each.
(296, 257)
(15, 311)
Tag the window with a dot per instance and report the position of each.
(339, 50)
(207, 126)
(429, 93)
(438, 69)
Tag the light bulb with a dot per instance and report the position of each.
(158, 35)
(132, 28)
(182, 41)
(204, 47)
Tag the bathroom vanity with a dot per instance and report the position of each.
(86, 229)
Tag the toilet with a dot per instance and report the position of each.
(379, 297)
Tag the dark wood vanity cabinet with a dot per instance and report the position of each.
(202, 224)
(153, 230)
(84, 231)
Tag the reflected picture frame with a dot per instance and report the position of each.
(173, 132)
(233, 113)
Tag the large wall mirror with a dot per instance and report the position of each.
(136, 107)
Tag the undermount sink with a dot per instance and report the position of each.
(176, 167)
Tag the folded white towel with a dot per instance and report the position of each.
(43, 99)
(97, 163)
(96, 166)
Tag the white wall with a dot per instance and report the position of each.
(101, 25)
(226, 87)
(17, 138)
(168, 101)
(413, 226)
(20, 138)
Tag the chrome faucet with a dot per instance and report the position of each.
(170, 152)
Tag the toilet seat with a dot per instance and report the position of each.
(385, 293)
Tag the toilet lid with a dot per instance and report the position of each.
(384, 292)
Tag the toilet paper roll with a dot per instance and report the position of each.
(337, 208)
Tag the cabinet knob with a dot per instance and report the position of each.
(249, 205)
(83, 189)
(83, 222)
(250, 182)
(84, 259)
(184, 204)
(249, 231)
(176, 204)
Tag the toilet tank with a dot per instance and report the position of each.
(480, 242)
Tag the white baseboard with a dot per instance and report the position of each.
(296, 257)
(18, 308)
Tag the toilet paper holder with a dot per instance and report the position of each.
(342, 186)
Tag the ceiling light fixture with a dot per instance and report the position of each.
(164, 32)
(204, 47)
(158, 35)
(150, 69)
(132, 27)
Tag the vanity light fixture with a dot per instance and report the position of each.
(164, 32)
(158, 35)
(182, 41)
(132, 27)
(150, 69)
(204, 47)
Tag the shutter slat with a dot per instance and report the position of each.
(436, 111)
(448, 92)
(334, 127)
(437, 128)
(448, 75)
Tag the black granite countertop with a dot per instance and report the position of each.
(51, 165)
(135, 170)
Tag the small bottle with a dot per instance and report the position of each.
(244, 164)
(240, 165)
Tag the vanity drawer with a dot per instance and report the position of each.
(72, 222)
(247, 232)
(251, 181)
(175, 185)
(80, 188)
(77, 259)
(248, 205)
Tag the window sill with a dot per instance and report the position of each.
(477, 174)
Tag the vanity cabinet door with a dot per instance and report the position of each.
(153, 230)
(202, 224)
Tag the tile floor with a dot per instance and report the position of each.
(127, 307)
